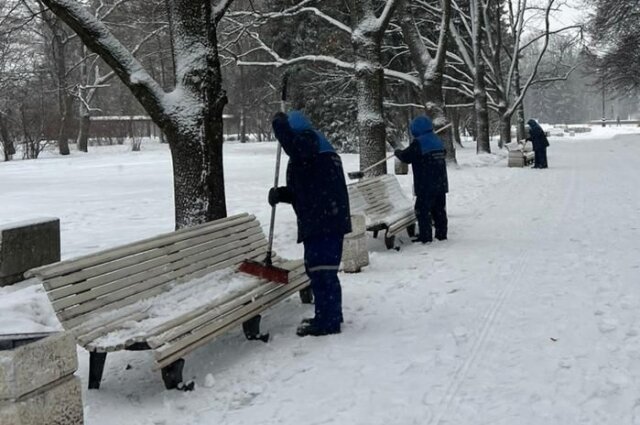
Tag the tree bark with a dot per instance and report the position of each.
(480, 89)
(65, 102)
(520, 109)
(505, 127)
(7, 144)
(370, 83)
(369, 74)
(83, 129)
(454, 114)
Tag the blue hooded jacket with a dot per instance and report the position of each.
(537, 136)
(315, 179)
(426, 154)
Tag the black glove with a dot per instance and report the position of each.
(277, 195)
(274, 196)
(397, 153)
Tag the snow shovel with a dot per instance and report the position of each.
(266, 269)
(360, 174)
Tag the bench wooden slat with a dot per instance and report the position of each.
(153, 339)
(193, 320)
(121, 266)
(87, 337)
(92, 288)
(68, 266)
(167, 354)
(135, 292)
(90, 316)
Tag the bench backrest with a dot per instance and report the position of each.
(110, 279)
(381, 195)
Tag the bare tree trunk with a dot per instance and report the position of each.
(480, 89)
(7, 144)
(505, 127)
(66, 111)
(83, 111)
(520, 109)
(65, 103)
(454, 114)
(83, 130)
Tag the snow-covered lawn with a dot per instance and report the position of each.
(528, 314)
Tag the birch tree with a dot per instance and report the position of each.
(191, 114)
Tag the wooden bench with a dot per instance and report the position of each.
(170, 294)
(520, 154)
(384, 205)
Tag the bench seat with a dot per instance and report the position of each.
(170, 294)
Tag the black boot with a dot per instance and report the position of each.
(313, 329)
(309, 320)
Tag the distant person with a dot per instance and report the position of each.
(540, 144)
(317, 190)
(618, 121)
(426, 154)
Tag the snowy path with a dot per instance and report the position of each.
(529, 314)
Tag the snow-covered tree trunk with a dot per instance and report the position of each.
(366, 40)
(370, 84)
(430, 69)
(190, 115)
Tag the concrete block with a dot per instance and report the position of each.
(354, 253)
(26, 245)
(59, 403)
(35, 364)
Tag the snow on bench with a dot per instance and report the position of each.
(384, 205)
(520, 154)
(170, 294)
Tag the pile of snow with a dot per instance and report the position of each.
(25, 308)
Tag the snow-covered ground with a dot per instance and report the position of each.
(528, 314)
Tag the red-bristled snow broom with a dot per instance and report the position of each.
(266, 269)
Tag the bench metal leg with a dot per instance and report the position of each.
(306, 295)
(251, 329)
(411, 230)
(389, 241)
(172, 374)
(375, 234)
(96, 367)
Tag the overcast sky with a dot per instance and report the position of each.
(575, 11)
